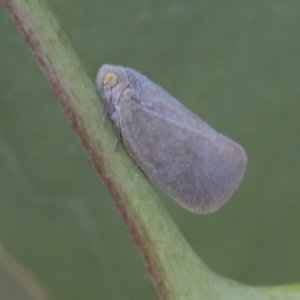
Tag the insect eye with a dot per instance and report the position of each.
(110, 78)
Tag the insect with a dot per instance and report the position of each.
(197, 166)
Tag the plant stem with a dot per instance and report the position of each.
(175, 269)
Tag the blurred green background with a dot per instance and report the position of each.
(234, 63)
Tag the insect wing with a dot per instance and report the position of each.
(182, 154)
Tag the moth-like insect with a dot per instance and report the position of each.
(197, 166)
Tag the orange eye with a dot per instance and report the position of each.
(110, 78)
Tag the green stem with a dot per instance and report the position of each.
(175, 269)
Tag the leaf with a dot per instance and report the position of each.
(234, 64)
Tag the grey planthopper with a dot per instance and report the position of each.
(197, 166)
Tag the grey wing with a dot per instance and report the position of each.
(184, 156)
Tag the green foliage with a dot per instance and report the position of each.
(234, 64)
